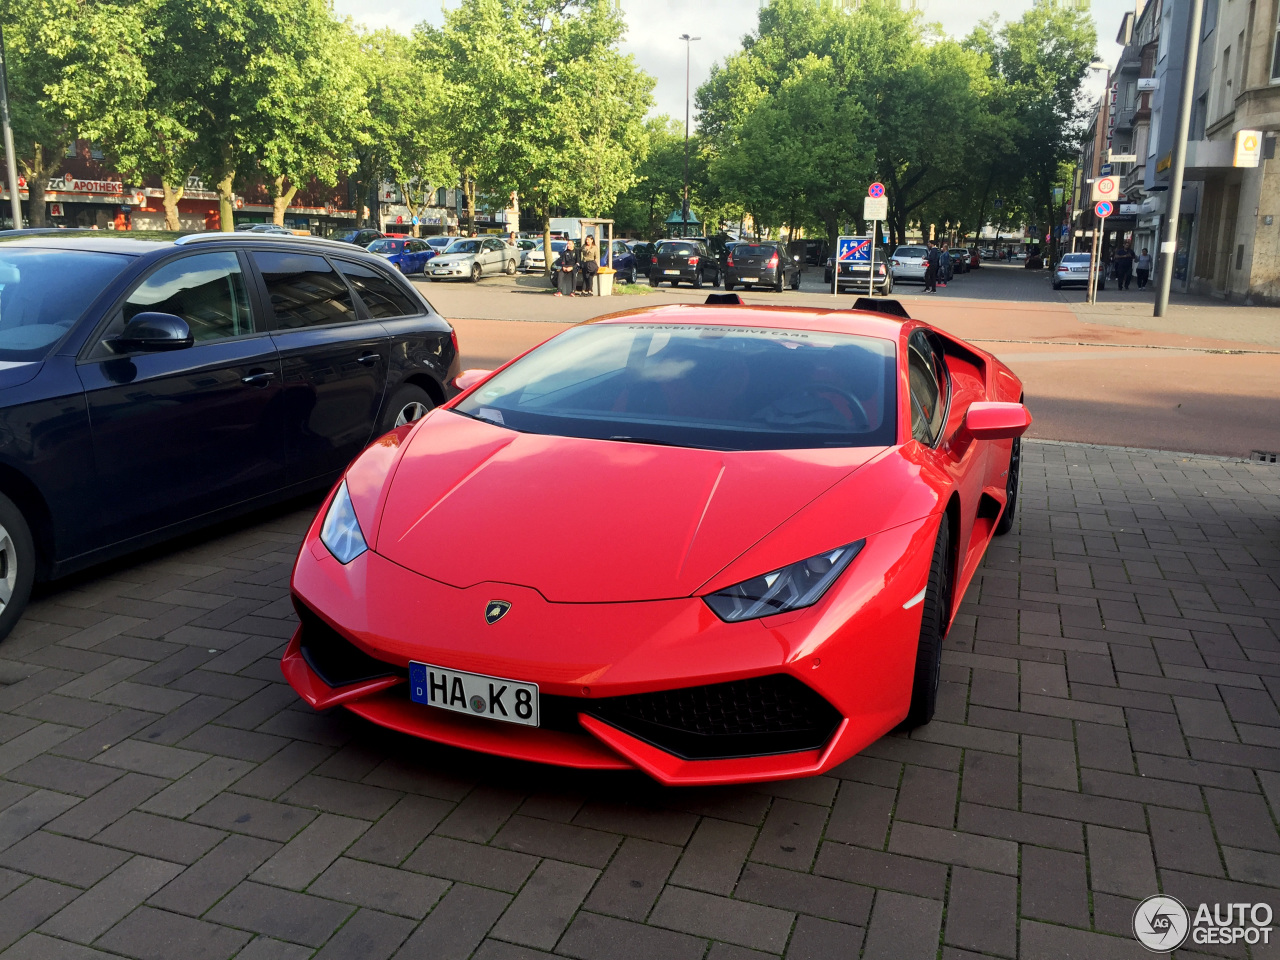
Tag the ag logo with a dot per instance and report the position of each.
(1161, 923)
(496, 610)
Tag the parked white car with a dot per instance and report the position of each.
(536, 260)
(470, 258)
(908, 263)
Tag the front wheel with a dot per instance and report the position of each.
(17, 564)
(409, 403)
(475, 273)
(795, 283)
(933, 630)
(728, 285)
(1005, 523)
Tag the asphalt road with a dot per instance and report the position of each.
(1204, 379)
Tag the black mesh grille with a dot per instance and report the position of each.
(335, 660)
(753, 717)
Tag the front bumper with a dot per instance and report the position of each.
(448, 271)
(660, 686)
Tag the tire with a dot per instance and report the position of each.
(795, 284)
(17, 564)
(409, 402)
(781, 282)
(475, 273)
(511, 268)
(697, 279)
(933, 630)
(1005, 524)
(631, 278)
(716, 282)
(654, 283)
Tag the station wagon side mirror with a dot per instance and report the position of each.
(153, 332)
(469, 378)
(996, 421)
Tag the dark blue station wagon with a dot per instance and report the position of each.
(148, 387)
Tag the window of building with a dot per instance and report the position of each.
(1209, 20)
(1226, 98)
(1275, 56)
(1199, 113)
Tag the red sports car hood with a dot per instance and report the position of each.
(588, 520)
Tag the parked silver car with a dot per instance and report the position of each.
(470, 258)
(908, 263)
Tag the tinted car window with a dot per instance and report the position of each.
(464, 246)
(382, 296)
(207, 290)
(386, 245)
(1075, 258)
(44, 292)
(305, 291)
(926, 391)
(699, 386)
(677, 248)
(754, 250)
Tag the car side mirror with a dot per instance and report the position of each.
(153, 332)
(469, 378)
(996, 421)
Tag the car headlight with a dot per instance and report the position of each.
(793, 587)
(340, 532)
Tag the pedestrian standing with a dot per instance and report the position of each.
(1143, 266)
(931, 268)
(590, 265)
(944, 264)
(567, 275)
(1124, 267)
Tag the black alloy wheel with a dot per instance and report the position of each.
(933, 631)
(409, 403)
(1005, 523)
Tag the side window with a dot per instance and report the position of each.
(927, 398)
(305, 291)
(206, 290)
(382, 296)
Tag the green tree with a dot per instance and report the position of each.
(659, 186)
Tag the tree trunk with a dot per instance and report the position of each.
(546, 246)
(280, 200)
(226, 203)
(36, 177)
(172, 195)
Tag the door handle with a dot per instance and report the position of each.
(368, 359)
(259, 379)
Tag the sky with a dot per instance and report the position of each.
(654, 28)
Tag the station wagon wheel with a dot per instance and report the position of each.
(17, 564)
(511, 268)
(409, 403)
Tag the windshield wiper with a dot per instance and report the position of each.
(656, 443)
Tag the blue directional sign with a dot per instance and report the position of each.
(853, 249)
(415, 221)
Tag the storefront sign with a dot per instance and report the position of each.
(70, 184)
(1248, 148)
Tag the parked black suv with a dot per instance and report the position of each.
(761, 265)
(687, 260)
(150, 386)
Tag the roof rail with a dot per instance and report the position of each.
(247, 235)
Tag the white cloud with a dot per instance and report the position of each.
(654, 28)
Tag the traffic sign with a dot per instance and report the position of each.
(1106, 188)
(1103, 208)
(1106, 169)
(415, 221)
(876, 189)
(875, 208)
(853, 249)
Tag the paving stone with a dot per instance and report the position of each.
(400, 830)
(1184, 841)
(368, 935)
(1242, 820)
(151, 934)
(981, 912)
(284, 914)
(593, 937)
(98, 909)
(105, 807)
(36, 946)
(630, 885)
(875, 869)
(63, 775)
(160, 837)
(953, 846)
(805, 893)
(661, 826)
(472, 863)
(29, 906)
(457, 924)
(790, 835)
(25, 816)
(480, 814)
(64, 859)
(714, 857)
(151, 758)
(927, 796)
(719, 918)
(591, 848)
(186, 795)
(1049, 763)
(862, 811)
(1054, 886)
(283, 770)
(358, 800)
(1042, 941)
(903, 928)
(257, 818)
(545, 905)
(379, 888)
(308, 854)
(207, 880)
(815, 939)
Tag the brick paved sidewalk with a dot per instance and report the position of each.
(1108, 728)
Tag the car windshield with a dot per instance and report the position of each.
(690, 385)
(44, 292)
(464, 246)
(754, 250)
(911, 252)
(386, 246)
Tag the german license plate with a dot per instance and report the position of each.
(474, 693)
(671, 273)
(749, 280)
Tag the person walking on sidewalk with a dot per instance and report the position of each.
(567, 274)
(1143, 267)
(931, 261)
(590, 265)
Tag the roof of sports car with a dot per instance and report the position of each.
(860, 322)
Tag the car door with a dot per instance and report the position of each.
(333, 359)
(184, 432)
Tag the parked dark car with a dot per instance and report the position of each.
(761, 265)
(854, 275)
(643, 253)
(674, 261)
(626, 262)
(148, 387)
(959, 260)
(361, 238)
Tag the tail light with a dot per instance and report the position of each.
(453, 338)
(693, 261)
(730, 263)
(896, 263)
(880, 269)
(773, 261)
(653, 259)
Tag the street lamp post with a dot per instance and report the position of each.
(10, 158)
(684, 208)
(1169, 247)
